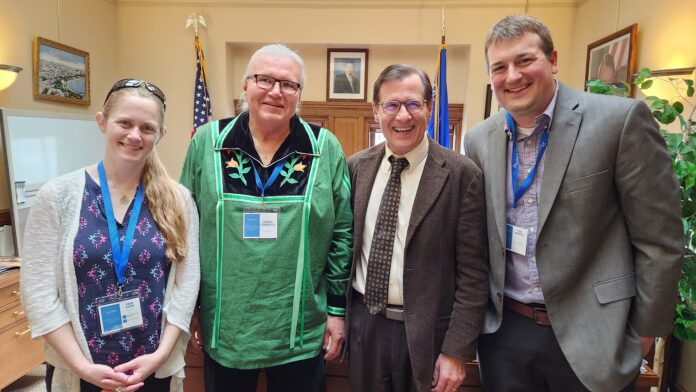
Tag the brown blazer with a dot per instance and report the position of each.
(445, 268)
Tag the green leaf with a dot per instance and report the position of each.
(690, 334)
(234, 175)
(638, 80)
(292, 180)
(645, 72)
(690, 90)
(246, 170)
(678, 106)
(287, 165)
(646, 85)
(690, 183)
(658, 104)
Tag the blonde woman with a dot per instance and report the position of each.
(110, 273)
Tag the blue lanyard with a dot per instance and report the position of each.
(120, 256)
(519, 189)
(274, 176)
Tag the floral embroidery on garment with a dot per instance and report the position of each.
(239, 166)
(291, 167)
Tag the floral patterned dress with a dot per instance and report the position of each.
(147, 272)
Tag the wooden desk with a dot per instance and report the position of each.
(19, 352)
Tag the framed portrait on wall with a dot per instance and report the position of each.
(612, 59)
(346, 75)
(61, 73)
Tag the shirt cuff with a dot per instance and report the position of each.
(336, 305)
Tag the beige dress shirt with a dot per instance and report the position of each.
(410, 178)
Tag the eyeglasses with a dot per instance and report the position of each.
(135, 83)
(413, 106)
(265, 82)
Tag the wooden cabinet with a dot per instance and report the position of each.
(19, 352)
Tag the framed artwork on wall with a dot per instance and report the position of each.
(491, 105)
(346, 75)
(61, 73)
(612, 59)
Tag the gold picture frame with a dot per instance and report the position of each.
(612, 59)
(61, 72)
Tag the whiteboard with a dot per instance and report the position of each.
(39, 146)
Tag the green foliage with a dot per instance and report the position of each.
(682, 148)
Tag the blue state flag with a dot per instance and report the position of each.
(438, 126)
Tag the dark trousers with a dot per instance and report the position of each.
(307, 375)
(523, 356)
(378, 360)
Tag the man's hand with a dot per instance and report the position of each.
(647, 343)
(195, 344)
(333, 337)
(449, 374)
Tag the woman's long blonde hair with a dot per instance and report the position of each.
(162, 193)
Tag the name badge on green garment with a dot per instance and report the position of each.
(260, 223)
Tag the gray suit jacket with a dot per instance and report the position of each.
(610, 237)
(445, 269)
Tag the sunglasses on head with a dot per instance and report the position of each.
(135, 83)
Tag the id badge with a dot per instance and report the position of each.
(119, 312)
(517, 239)
(260, 224)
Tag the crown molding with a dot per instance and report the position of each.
(357, 3)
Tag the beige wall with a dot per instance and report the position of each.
(666, 34)
(163, 51)
(89, 25)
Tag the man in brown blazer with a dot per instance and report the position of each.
(419, 271)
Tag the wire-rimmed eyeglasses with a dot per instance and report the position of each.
(265, 82)
(413, 106)
(135, 83)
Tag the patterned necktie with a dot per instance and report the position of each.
(379, 262)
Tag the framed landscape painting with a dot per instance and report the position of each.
(61, 73)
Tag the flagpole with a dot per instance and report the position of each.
(443, 25)
(202, 112)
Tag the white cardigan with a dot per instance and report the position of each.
(49, 289)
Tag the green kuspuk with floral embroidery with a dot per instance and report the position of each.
(265, 302)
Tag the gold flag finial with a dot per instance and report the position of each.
(196, 21)
(443, 25)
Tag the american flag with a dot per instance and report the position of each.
(202, 112)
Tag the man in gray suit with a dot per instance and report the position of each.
(419, 264)
(584, 229)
